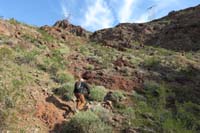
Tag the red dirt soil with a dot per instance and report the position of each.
(113, 81)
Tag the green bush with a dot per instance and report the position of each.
(155, 94)
(65, 91)
(14, 21)
(138, 97)
(5, 53)
(46, 36)
(51, 64)
(29, 38)
(3, 116)
(86, 122)
(104, 114)
(98, 93)
(63, 78)
(90, 67)
(189, 114)
(171, 125)
(151, 62)
(129, 114)
(26, 57)
(57, 57)
(118, 95)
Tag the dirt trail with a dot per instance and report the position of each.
(51, 110)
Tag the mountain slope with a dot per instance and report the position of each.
(150, 85)
(178, 31)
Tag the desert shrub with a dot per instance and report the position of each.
(138, 96)
(104, 114)
(118, 95)
(189, 115)
(9, 102)
(3, 116)
(97, 93)
(41, 46)
(57, 57)
(45, 36)
(50, 65)
(86, 122)
(5, 53)
(29, 56)
(26, 57)
(14, 21)
(61, 77)
(7, 118)
(152, 62)
(89, 67)
(17, 83)
(65, 91)
(171, 125)
(84, 50)
(29, 38)
(135, 60)
(129, 114)
(153, 113)
(155, 94)
(64, 49)
(145, 117)
(135, 43)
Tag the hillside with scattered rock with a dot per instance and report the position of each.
(143, 77)
(178, 31)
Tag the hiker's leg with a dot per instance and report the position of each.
(78, 103)
(83, 102)
(78, 100)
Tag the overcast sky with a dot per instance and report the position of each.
(90, 14)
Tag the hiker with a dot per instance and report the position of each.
(81, 89)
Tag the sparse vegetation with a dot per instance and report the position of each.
(65, 91)
(87, 122)
(33, 63)
(151, 62)
(46, 36)
(14, 21)
(118, 95)
(63, 77)
(98, 93)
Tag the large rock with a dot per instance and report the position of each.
(76, 30)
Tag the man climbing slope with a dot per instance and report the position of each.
(80, 90)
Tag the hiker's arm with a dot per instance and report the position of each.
(75, 87)
(87, 87)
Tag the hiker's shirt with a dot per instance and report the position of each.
(81, 87)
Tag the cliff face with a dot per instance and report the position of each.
(178, 31)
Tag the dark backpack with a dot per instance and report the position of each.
(82, 88)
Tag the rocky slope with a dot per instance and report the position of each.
(140, 78)
(178, 31)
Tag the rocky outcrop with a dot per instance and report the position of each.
(75, 30)
(63, 29)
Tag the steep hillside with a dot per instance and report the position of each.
(178, 31)
(143, 77)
